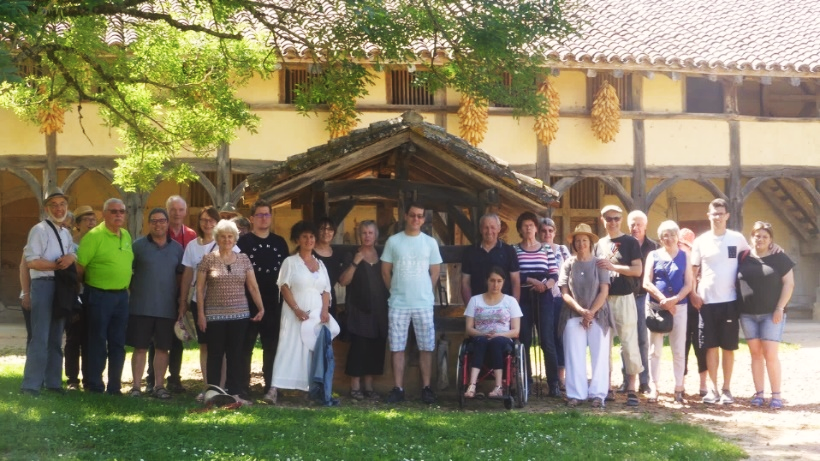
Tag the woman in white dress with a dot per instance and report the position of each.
(305, 286)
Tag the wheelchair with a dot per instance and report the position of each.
(514, 374)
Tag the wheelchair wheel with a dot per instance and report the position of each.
(521, 386)
(460, 381)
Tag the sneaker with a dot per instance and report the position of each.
(711, 397)
(427, 395)
(73, 386)
(396, 395)
(726, 398)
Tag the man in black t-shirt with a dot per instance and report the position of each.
(266, 251)
(620, 254)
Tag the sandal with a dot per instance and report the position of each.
(757, 399)
(135, 392)
(653, 397)
(776, 403)
(162, 393)
(679, 397)
(370, 394)
(470, 392)
(610, 396)
(496, 393)
(597, 402)
(356, 394)
(632, 400)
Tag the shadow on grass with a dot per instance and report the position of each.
(82, 426)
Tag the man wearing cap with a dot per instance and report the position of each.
(177, 210)
(715, 259)
(153, 303)
(410, 269)
(266, 251)
(45, 252)
(637, 221)
(104, 259)
(620, 254)
(228, 211)
(76, 333)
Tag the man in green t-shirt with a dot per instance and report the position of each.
(104, 260)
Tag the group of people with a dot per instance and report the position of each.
(241, 285)
(698, 291)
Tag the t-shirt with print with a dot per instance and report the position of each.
(194, 253)
(411, 257)
(621, 251)
(492, 318)
(717, 258)
(266, 255)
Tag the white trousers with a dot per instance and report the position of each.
(677, 342)
(576, 341)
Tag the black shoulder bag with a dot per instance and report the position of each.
(66, 301)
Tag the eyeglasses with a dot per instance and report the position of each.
(117, 211)
(262, 215)
(415, 216)
(158, 221)
(612, 218)
(716, 215)
(548, 230)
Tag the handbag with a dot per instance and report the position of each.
(66, 301)
(658, 320)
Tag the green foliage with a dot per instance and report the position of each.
(167, 85)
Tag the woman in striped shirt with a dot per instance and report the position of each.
(539, 273)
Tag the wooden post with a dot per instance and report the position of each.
(729, 97)
(639, 165)
(50, 171)
(134, 208)
(733, 187)
(542, 163)
(223, 174)
(441, 102)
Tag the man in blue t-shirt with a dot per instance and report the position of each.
(410, 269)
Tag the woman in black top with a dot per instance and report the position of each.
(366, 307)
(333, 261)
(765, 285)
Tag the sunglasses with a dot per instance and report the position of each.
(612, 218)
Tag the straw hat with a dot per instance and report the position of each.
(54, 192)
(312, 326)
(582, 229)
(82, 211)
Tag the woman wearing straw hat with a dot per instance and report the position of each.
(585, 320)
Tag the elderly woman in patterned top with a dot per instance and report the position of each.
(223, 307)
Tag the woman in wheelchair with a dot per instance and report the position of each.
(493, 319)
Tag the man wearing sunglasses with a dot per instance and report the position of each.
(620, 254)
(104, 261)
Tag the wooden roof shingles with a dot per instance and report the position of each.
(328, 159)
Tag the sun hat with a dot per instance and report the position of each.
(54, 192)
(185, 329)
(217, 396)
(82, 211)
(582, 229)
(311, 327)
(607, 208)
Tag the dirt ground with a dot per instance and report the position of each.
(790, 433)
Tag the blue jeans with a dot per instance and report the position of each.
(489, 351)
(643, 345)
(44, 354)
(107, 323)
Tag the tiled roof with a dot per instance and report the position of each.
(765, 36)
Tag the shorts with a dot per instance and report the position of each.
(399, 325)
(142, 329)
(761, 326)
(719, 326)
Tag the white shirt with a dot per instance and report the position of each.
(42, 244)
(717, 257)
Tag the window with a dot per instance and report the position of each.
(401, 89)
(703, 96)
(291, 78)
(507, 82)
(623, 87)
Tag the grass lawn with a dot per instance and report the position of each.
(88, 426)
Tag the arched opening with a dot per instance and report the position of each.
(19, 211)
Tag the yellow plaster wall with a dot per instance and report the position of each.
(572, 89)
(280, 134)
(687, 142)
(510, 139)
(576, 144)
(782, 143)
(377, 93)
(261, 89)
(661, 94)
(19, 137)
(103, 141)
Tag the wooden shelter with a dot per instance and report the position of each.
(399, 161)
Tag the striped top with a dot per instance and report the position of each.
(539, 264)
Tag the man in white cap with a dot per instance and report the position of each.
(49, 248)
(621, 255)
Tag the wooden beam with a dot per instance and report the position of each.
(639, 165)
(468, 226)
(733, 185)
(50, 171)
(389, 188)
(542, 163)
(341, 210)
(223, 174)
(729, 96)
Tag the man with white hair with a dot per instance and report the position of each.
(104, 259)
(49, 248)
(637, 221)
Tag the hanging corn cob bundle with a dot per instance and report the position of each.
(606, 113)
(472, 120)
(340, 121)
(51, 118)
(546, 124)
